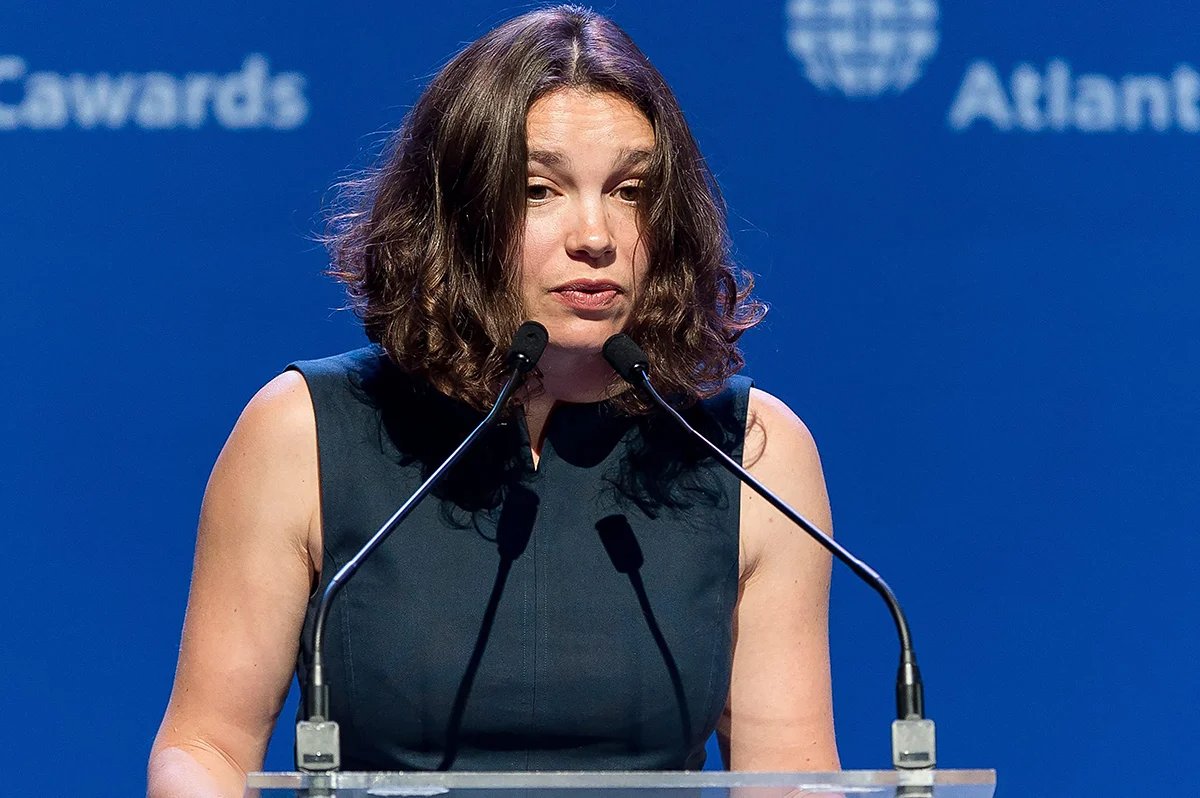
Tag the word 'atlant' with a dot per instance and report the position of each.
(1057, 100)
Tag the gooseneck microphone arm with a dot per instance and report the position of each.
(912, 735)
(318, 694)
(317, 745)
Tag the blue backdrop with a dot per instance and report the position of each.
(976, 225)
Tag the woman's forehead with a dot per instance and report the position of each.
(571, 119)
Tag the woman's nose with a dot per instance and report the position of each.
(591, 234)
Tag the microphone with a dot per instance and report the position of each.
(913, 737)
(318, 747)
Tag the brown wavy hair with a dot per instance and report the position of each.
(425, 242)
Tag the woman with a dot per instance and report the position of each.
(587, 591)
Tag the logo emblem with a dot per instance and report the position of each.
(863, 48)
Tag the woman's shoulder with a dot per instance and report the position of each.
(721, 416)
(732, 397)
(354, 365)
(277, 424)
(775, 436)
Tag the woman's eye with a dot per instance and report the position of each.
(537, 193)
(630, 193)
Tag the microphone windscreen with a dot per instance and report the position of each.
(625, 356)
(528, 343)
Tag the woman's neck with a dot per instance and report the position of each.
(566, 377)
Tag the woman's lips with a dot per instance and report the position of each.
(587, 295)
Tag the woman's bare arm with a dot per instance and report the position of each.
(253, 573)
(779, 716)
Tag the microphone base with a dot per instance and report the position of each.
(914, 744)
(318, 746)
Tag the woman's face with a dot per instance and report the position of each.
(582, 264)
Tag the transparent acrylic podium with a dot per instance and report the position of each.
(615, 784)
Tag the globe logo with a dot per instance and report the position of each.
(863, 48)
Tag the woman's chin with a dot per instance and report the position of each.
(581, 336)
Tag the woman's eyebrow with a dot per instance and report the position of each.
(628, 158)
(549, 158)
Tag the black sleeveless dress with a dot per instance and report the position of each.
(573, 617)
